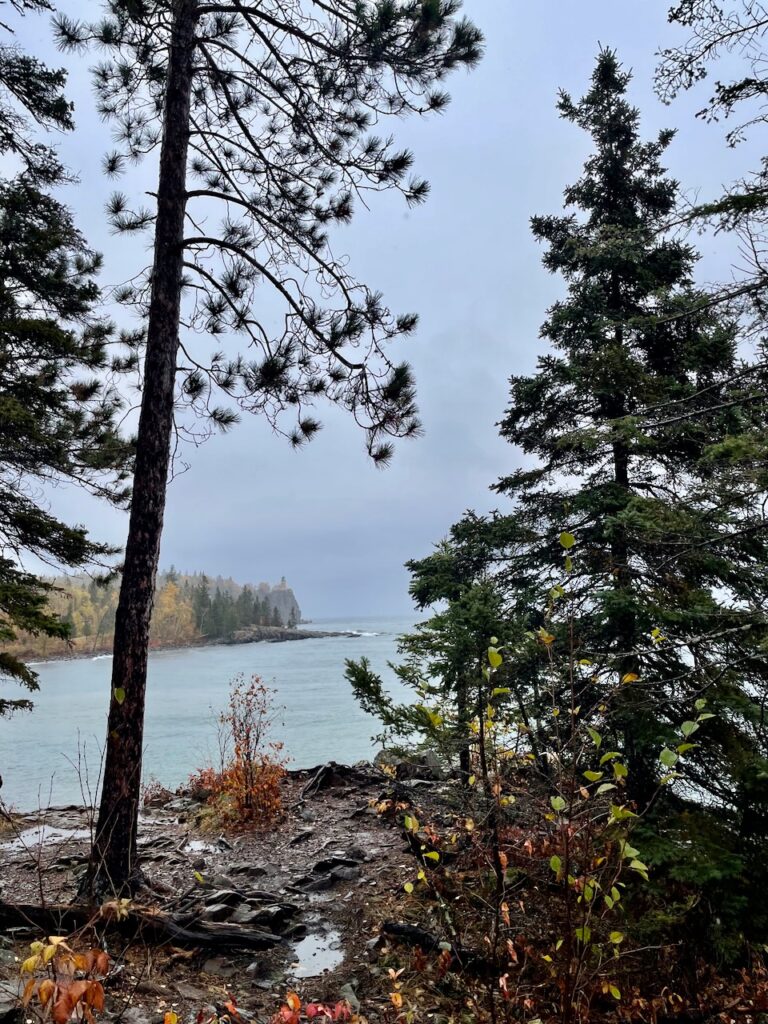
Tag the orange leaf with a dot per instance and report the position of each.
(46, 991)
(293, 1002)
(29, 989)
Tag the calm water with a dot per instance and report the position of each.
(318, 718)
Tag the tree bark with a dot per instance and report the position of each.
(113, 865)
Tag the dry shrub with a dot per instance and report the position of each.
(246, 787)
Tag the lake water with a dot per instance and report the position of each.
(318, 719)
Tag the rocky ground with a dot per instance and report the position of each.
(319, 882)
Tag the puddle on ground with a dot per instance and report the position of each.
(317, 953)
(200, 846)
(45, 835)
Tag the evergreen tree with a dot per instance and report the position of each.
(276, 619)
(633, 458)
(245, 608)
(58, 416)
(635, 432)
(264, 117)
(201, 604)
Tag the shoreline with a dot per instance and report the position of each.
(287, 636)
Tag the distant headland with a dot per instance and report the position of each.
(191, 609)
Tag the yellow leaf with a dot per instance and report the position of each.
(408, 887)
(469, 825)
(49, 953)
(170, 1017)
(30, 964)
(630, 677)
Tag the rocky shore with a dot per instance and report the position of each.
(303, 900)
(278, 634)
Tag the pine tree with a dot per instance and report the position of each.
(264, 119)
(58, 416)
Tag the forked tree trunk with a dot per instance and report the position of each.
(113, 866)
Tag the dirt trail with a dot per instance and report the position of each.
(318, 882)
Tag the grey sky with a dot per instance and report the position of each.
(324, 517)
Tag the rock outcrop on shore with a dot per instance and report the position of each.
(276, 634)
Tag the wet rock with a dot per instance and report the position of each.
(320, 884)
(244, 914)
(424, 765)
(244, 867)
(151, 988)
(329, 863)
(187, 991)
(229, 896)
(180, 803)
(357, 853)
(347, 992)
(10, 1011)
(345, 874)
(216, 912)
(302, 837)
(219, 967)
(134, 1015)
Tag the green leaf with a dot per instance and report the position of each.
(494, 658)
(688, 729)
(621, 813)
(408, 887)
(595, 736)
(700, 704)
(705, 716)
(567, 540)
(616, 937)
(604, 787)
(615, 992)
(668, 758)
(568, 563)
(557, 802)
(583, 935)
(593, 776)
(432, 855)
(620, 771)
(685, 747)
(119, 694)
(555, 863)
(610, 756)
(410, 824)
(501, 691)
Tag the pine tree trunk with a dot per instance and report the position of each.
(113, 867)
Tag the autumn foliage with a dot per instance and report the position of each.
(64, 984)
(245, 787)
(293, 1011)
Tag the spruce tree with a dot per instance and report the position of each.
(632, 456)
(58, 414)
(635, 432)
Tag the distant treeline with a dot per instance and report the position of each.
(188, 608)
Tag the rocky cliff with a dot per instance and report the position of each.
(281, 597)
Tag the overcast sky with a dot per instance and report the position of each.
(324, 517)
